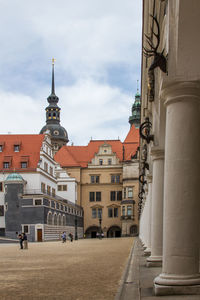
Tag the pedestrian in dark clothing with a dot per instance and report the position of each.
(20, 237)
(25, 240)
(71, 237)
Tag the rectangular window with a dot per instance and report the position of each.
(1, 148)
(51, 170)
(115, 178)
(110, 212)
(109, 161)
(1, 186)
(129, 210)
(46, 167)
(99, 213)
(53, 192)
(112, 196)
(48, 190)
(26, 228)
(92, 196)
(124, 193)
(16, 148)
(43, 187)
(1, 210)
(38, 201)
(115, 212)
(101, 162)
(94, 178)
(64, 187)
(94, 213)
(130, 192)
(6, 165)
(123, 210)
(23, 165)
(119, 195)
(98, 196)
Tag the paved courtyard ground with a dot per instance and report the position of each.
(83, 270)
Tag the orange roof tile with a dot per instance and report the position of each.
(133, 135)
(71, 156)
(30, 145)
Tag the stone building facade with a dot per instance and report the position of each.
(35, 192)
(107, 183)
(169, 157)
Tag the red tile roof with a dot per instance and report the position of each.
(30, 145)
(80, 156)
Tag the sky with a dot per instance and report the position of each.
(97, 48)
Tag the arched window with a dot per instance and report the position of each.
(64, 220)
(59, 219)
(49, 218)
(55, 219)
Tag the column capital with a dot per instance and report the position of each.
(177, 91)
(157, 153)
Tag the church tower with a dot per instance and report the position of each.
(58, 133)
(136, 111)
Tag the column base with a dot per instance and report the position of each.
(147, 252)
(165, 284)
(154, 261)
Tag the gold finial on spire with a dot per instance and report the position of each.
(53, 61)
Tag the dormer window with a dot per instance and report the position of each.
(6, 165)
(16, 147)
(24, 162)
(101, 162)
(7, 162)
(24, 165)
(1, 146)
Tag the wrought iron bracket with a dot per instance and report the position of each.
(145, 128)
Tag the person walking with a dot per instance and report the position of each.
(20, 237)
(25, 240)
(64, 237)
(71, 237)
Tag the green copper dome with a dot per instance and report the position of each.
(14, 177)
(136, 108)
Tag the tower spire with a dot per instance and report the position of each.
(53, 85)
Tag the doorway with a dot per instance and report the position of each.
(39, 235)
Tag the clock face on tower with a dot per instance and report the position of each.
(56, 132)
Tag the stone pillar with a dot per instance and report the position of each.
(180, 272)
(143, 229)
(148, 228)
(155, 260)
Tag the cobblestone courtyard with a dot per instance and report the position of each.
(82, 270)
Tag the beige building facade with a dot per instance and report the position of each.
(169, 194)
(107, 184)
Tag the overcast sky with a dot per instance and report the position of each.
(97, 47)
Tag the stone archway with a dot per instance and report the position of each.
(91, 232)
(114, 231)
(134, 230)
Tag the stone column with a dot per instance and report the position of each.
(148, 228)
(155, 260)
(180, 272)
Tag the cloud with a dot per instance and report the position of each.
(87, 109)
(97, 49)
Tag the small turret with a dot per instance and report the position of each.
(136, 111)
